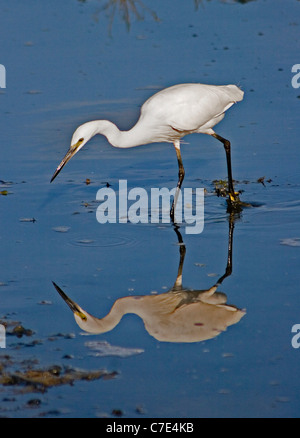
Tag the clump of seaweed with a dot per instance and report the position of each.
(28, 375)
(41, 379)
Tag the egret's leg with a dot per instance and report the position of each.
(181, 173)
(228, 270)
(226, 144)
(182, 251)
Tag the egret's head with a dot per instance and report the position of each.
(80, 137)
(84, 320)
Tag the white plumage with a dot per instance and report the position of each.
(168, 116)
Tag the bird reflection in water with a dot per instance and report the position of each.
(127, 9)
(179, 315)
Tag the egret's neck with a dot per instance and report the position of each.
(96, 325)
(91, 324)
(120, 139)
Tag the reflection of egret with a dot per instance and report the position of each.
(179, 315)
(168, 116)
(126, 8)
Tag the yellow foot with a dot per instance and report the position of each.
(233, 202)
(235, 197)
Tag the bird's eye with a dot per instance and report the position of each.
(81, 140)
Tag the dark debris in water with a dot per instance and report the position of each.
(262, 180)
(20, 331)
(41, 379)
(117, 412)
(221, 186)
(5, 185)
(3, 189)
(24, 376)
(15, 328)
(27, 219)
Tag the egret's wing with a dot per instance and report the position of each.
(187, 107)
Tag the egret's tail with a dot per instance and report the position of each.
(235, 93)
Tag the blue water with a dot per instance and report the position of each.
(68, 62)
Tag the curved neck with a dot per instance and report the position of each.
(94, 325)
(136, 136)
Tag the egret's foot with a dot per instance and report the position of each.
(234, 197)
(234, 202)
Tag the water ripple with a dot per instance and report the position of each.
(105, 241)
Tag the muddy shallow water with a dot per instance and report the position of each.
(69, 62)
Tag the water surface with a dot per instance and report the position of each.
(69, 62)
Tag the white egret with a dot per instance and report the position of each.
(168, 116)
